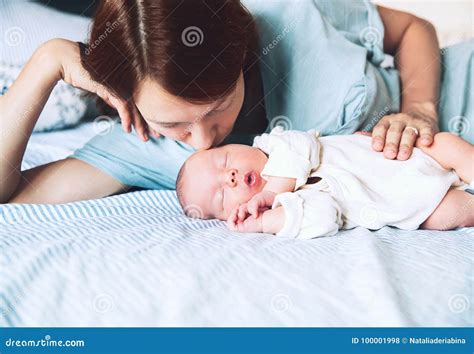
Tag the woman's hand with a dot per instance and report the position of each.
(72, 72)
(413, 43)
(395, 136)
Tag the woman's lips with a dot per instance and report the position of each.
(252, 178)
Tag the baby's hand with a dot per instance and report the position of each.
(240, 220)
(260, 202)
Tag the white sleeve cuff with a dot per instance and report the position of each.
(309, 214)
(287, 163)
(293, 206)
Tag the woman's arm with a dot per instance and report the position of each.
(414, 44)
(19, 110)
(64, 181)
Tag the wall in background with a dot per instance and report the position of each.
(454, 19)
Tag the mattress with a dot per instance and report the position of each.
(135, 260)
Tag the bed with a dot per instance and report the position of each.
(135, 260)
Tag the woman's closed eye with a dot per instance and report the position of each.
(215, 111)
(211, 113)
(169, 125)
(221, 108)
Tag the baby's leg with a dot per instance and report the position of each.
(453, 153)
(455, 210)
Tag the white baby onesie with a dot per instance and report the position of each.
(358, 186)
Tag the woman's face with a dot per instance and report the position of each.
(201, 126)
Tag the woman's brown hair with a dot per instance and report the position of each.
(194, 49)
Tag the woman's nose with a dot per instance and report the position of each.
(231, 178)
(202, 137)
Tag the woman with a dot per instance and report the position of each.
(189, 76)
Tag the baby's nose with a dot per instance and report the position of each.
(231, 178)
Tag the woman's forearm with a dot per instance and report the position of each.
(418, 60)
(20, 108)
(413, 43)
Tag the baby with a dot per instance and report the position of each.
(297, 184)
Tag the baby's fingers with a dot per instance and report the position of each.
(231, 225)
(242, 212)
(231, 221)
(253, 207)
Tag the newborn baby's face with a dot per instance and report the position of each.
(218, 180)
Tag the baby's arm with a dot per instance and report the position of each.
(453, 153)
(303, 214)
(279, 185)
(264, 199)
(291, 157)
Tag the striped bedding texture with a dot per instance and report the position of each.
(135, 260)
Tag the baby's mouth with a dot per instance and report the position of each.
(251, 178)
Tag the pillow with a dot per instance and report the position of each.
(26, 26)
(64, 108)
